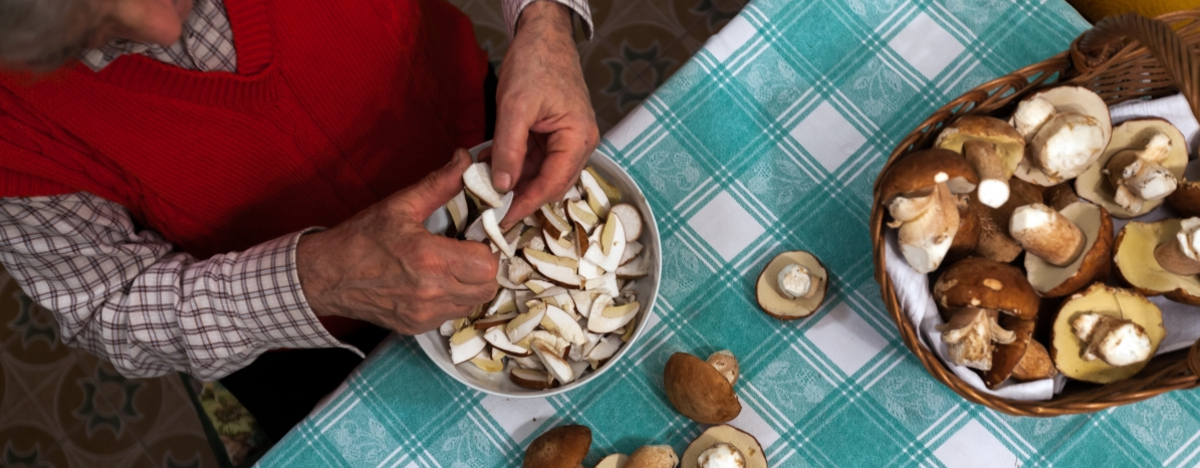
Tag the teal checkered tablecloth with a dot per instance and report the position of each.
(769, 140)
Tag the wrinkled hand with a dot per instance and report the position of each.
(384, 267)
(545, 125)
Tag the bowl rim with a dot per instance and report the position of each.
(432, 338)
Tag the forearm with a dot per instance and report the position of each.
(124, 296)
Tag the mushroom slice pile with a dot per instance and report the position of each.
(1143, 252)
(1142, 166)
(993, 147)
(1067, 249)
(700, 390)
(792, 285)
(971, 294)
(1105, 334)
(1067, 129)
(918, 191)
(723, 446)
(568, 299)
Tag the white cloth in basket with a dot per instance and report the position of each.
(1181, 321)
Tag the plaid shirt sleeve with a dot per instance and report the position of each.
(512, 12)
(123, 294)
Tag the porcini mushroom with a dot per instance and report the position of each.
(1141, 167)
(971, 294)
(918, 191)
(994, 241)
(1102, 326)
(616, 460)
(560, 447)
(1066, 250)
(652, 456)
(993, 147)
(1064, 141)
(792, 285)
(722, 447)
(699, 390)
(1143, 252)
(1022, 359)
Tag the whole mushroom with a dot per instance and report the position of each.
(993, 147)
(972, 293)
(560, 447)
(1105, 334)
(652, 456)
(700, 390)
(918, 191)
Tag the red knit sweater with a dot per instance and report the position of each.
(335, 105)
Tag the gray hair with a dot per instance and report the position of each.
(41, 35)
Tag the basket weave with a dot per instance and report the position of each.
(1121, 58)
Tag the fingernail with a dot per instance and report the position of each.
(453, 159)
(502, 181)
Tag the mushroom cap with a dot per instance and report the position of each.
(1185, 200)
(1068, 99)
(1094, 186)
(995, 243)
(1010, 145)
(772, 301)
(979, 282)
(1006, 356)
(1066, 347)
(1136, 265)
(1035, 364)
(745, 443)
(560, 447)
(697, 390)
(1094, 264)
(920, 169)
(652, 456)
(967, 236)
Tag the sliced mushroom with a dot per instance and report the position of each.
(466, 344)
(653, 456)
(1120, 306)
(745, 444)
(1138, 252)
(478, 180)
(1148, 156)
(776, 302)
(530, 378)
(1063, 141)
(631, 220)
(699, 391)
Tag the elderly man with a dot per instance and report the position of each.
(168, 166)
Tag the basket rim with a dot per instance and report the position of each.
(1057, 70)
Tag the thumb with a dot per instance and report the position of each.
(509, 148)
(437, 188)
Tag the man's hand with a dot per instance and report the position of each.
(382, 266)
(545, 125)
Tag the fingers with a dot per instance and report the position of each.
(437, 188)
(513, 121)
(467, 262)
(566, 156)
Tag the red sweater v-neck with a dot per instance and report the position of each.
(335, 105)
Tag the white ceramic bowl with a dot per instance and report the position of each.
(437, 347)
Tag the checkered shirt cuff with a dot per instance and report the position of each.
(513, 9)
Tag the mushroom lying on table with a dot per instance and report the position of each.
(1065, 250)
(1141, 167)
(1160, 258)
(1105, 334)
(792, 285)
(724, 447)
(560, 447)
(1067, 129)
(918, 191)
(703, 391)
(971, 294)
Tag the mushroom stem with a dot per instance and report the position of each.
(1031, 114)
(1182, 254)
(1047, 234)
(970, 336)
(1117, 342)
(1137, 180)
(1035, 364)
(1067, 144)
(925, 239)
(993, 181)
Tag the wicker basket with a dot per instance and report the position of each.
(1121, 58)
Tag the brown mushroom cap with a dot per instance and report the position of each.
(1185, 200)
(1094, 186)
(560, 447)
(1010, 145)
(979, 282)
(745, 443)
(1035, 364)
(1066, 347)
(994, 242)
(1006, 356)
(652, 456)
(697, 390)
(967, 236)
(1133, 257)
(1094, 264)
(919, 169)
